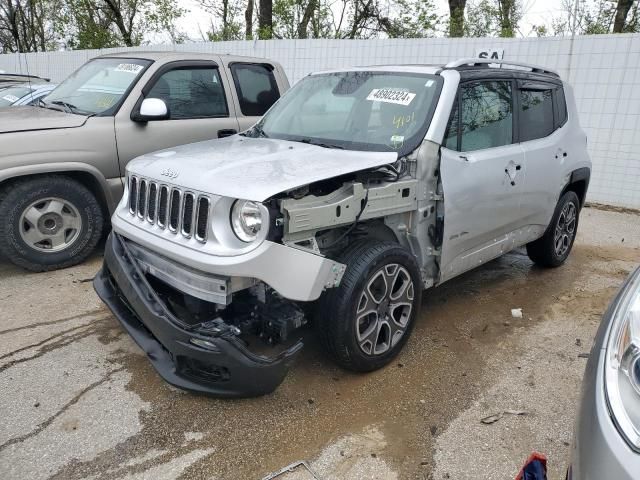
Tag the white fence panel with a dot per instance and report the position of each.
(603, 69)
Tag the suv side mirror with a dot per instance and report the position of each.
(151, 109)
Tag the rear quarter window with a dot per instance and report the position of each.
(256, 86)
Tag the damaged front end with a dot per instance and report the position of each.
(195, 344)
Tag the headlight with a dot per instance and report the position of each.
(246, 219)
(622, 363)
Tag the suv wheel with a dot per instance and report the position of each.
(553, 248)
(366, 321)
(48, 223)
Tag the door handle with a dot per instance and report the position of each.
(226, 132)
(512, 177)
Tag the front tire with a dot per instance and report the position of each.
(47, 223)
(366, 321)
(554, 247)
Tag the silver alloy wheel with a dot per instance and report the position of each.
(565, 229)
(50, 224)
(384, 309)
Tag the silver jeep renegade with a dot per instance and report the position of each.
(356, 191)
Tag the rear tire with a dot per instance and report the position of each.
(47, 223)
(366, 321)
(553, 248)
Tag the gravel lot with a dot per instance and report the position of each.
(79, 400)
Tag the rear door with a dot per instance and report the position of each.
(481, 171)
(543, 135)
(200, 108)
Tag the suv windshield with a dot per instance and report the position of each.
(98, 86)
(378, 111)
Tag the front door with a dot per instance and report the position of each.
(482, 175)
(200, 108)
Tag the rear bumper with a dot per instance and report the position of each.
(225, 368)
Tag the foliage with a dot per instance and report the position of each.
(228, 15)
(38, 25)
(489, 18)
(28, 25)
(594, 17)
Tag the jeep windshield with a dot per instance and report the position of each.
(357, 110)
(98, 87)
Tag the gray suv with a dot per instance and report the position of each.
(356, 191)
(61, 165)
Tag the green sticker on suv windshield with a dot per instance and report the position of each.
(397, 141)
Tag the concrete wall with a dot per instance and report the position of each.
(604, 70)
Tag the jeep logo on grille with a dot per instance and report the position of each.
(169, 172)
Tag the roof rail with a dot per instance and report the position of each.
(13, 76)
(472, 62)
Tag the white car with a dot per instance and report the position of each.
(357, 190)
(24, 94)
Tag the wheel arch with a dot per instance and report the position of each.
(83, 173)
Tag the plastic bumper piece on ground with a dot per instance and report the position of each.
(226, 368)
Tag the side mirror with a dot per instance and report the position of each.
(151, 109)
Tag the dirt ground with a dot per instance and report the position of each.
(79, 399)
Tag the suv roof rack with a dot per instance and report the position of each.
(476, 62)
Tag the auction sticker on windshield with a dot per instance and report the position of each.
(390, 95)
(129, 67)
(10, 98)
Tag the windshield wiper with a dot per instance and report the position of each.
(68, 107)
(321, 144)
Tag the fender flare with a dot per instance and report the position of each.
(70, 167)
(582, 174)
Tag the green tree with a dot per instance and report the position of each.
(29, 25)
(592, 17)
(226, 23)
(493, 18)
(111, 23)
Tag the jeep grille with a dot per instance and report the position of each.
(169, 207)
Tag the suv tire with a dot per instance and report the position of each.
(47, 223)
(366, 321)
(553, 248)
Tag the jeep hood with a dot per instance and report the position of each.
(22, 119)
(252, 168)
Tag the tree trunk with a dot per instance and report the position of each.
(306, 18)
(265, 20)
(506, 18)
(119, 21)
(225, 19)
(456, 17)
(622, 10)
(248, 20)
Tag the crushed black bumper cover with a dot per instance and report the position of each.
(229, 371)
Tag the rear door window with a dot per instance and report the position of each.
(536, 113)
(256, 86)
(191, 92)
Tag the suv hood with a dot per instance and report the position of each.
(22, 119)
(252, 168)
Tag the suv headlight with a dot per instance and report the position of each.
(247, 219)
(622, 363)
